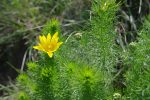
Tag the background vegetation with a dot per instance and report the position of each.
(21, 21)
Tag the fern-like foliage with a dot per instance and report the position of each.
(138, 81)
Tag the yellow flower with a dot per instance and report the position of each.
(48, 44)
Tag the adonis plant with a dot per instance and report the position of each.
(82, 66)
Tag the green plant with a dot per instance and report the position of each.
(137, 76)
(89, 65)
(81, 69)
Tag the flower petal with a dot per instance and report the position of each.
(38, 48)
(56, 46)
(42, 39)
(49, 38)
(55, 38)
(50, 54)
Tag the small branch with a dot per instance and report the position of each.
(23, 62)
(17, 70)
(119, 72)
(69, 36)
(140, 6)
